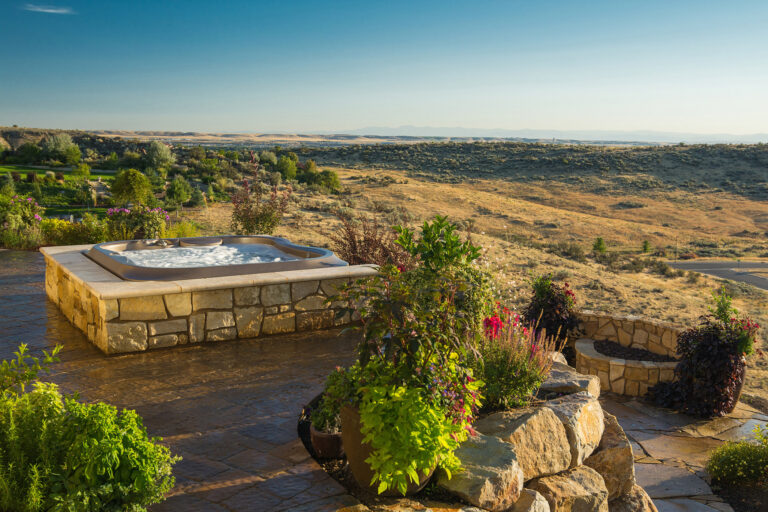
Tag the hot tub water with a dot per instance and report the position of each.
(191, 257)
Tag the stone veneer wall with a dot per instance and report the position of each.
(630, 331)
(123, 316)
(625, 376)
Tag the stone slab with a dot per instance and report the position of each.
(682, 505)
(665, 481)
(693, 451)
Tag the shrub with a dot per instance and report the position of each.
(512, 361)
(131, 186)
(364, 240)
(254, 215)
(7, 185)
(91, 230)
(183, 229)
(569, 250)
(439, 245)
(646, 246)
(286, 167)
(340, 389)
(197, 199)
(137, 223)
(599, 246)
(741, 463)
(712, 365)
(552, 307)
(20, 219)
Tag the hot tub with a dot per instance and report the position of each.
(172, 259)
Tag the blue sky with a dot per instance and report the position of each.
(301, 66)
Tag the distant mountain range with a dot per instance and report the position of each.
(560, 135)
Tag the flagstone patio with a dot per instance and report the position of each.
(231, 408)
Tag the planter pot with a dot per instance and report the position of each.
(326, 446)
(357, 452)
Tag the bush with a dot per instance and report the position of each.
(183, 229)
(512, 361)
(131, 186)
(742, 463)
(363, 240)
(20, 220)
(91, 230)
(141, 222)
(552, 307)
(712, 365)
(569, 250)
(599, 246)
(253, 215)
(339, 391)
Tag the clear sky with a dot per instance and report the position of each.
(299, 66)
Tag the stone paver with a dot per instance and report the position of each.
(229, 408)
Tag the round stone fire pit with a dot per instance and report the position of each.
(626, 376)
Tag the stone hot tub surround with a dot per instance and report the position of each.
(630, 331)
(126, 316)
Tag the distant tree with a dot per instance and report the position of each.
(7, 186)
(293, 156)
(131, 186)
(72, 155)
(646, 246)
(159, 155)
(29, 153)
(197, 153)
(268, 158)
(330, 180)
(286, 167)
(156, 177)
(210, 193)
(59, 147)
(111, 161)
(82, 171)
(179, 191)
(197, 199)
(130, 160)
(599, 246)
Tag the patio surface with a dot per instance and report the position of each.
(230, 409)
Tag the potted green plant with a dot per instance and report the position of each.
(415, 394)
(325, 424)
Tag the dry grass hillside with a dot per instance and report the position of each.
(527, 228)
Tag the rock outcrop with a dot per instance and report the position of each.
(582, 418)
(613, 459)
(580, 489)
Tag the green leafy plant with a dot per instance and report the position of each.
(741, 463)
(16, 373)
(131, 186)
(439, 245)
(340, 389)
(138, 222)
(599, 246)
(252, 214)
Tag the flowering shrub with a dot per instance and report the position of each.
(552, 307)
(20, 221)
(252, 215)
(140, 222)
(741, 463)
(711, 370)
(91, 230)
(512, 360)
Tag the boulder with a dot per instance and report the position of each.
(530, 501)
(613, 459)
(565, 379)
(580, 489)
(538, 436)
(490, 478)
(557, 357)
(582, 417)
(636, 500)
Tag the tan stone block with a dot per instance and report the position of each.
(183, 339)
(248, 321)
(631, 388)
(590, 328)
(314, 320)
(213, 299)
(168, 327)
(606, 332)
(601, 364)
(654, 338)
(310, 303)
(274, 294)
(624, 338)
(248, 296)
(656, 348)
(330, 287)
(628, 326)
(303, 289)
(603, 320)
(197, 328)
(280, 323)
(639, 374)
(642, 388)
(126, 337)
(109, 309)
(653, 376)
(640, 338)
(605, 382)
(272, 310)
(179, 304)
(225, 334)
(143, 308)
(582, 418)
(80, 320)
(616, 370)
(166, 340)
(617, 386)
(666, 375)
(218, 320)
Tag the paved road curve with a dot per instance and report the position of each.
(733, 270)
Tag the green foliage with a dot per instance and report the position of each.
(20, 222)
(183, 229)
(179, 191)
(741, 463)
(91, 230)
(197, 198)
(552, 307)
(252, 214)
(413, 428)
(29, 153)
(59, 146)
(131, 186)
(59, 454)
(15, 374)
(340, 390)
(599, 246)
(439, 245)
(159, 155)
(722, 306)
(140, 222)
(268, 158)
(646, 246)
(286, 167)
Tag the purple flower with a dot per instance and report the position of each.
(37, 217)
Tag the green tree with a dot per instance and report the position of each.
(29, 153)
(179, 191)
(72, 155)
(159, 155)
(197, 199)
(82, 171)
(646, 246)
(60, 146)
(268, 158)
(286, 167)
(197, 153)
(599, 246)
(131, 186)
